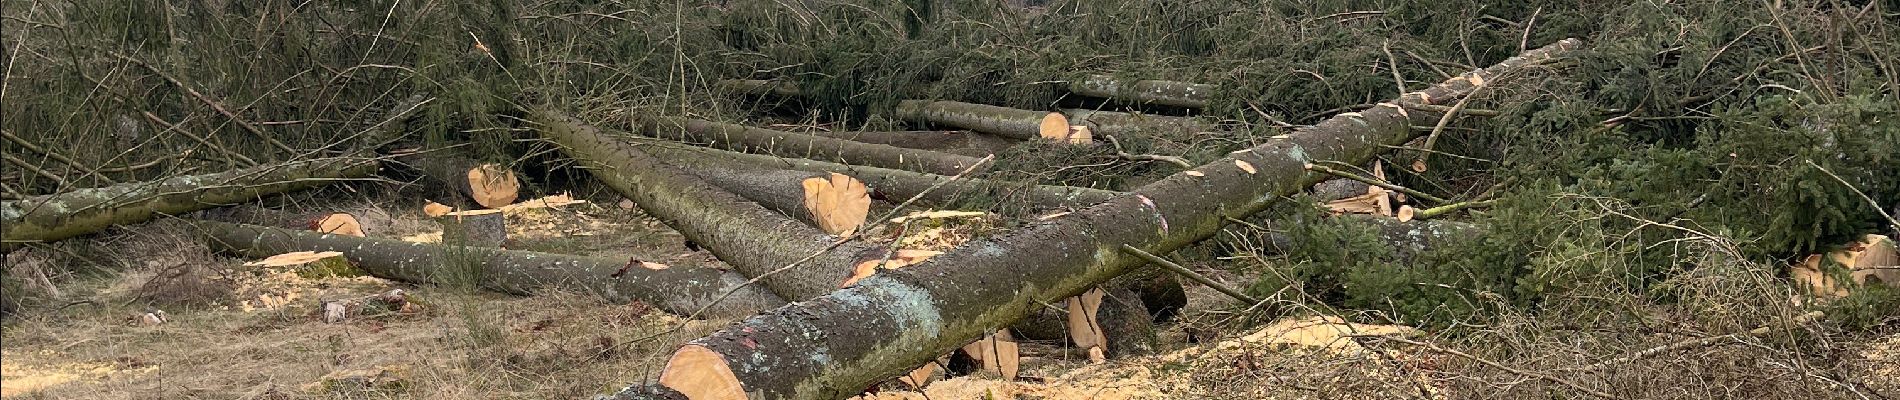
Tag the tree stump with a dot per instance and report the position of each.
(478, 228)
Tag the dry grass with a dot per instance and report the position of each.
(241, 333)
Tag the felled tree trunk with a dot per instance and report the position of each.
(487, 185)
(788, 144)
(779, 190)
(889, 183)
(59, 216)
(680, 290)
(1001, 121)
(1121, 123)
(895, 321)
(751, 238)
(1156, 92)
(954, 142)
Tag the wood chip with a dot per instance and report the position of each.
(1244, 166)
(293, 258)
(1196, 173)
(900, 259)
(434, 209)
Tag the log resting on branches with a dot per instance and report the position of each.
(1027, 124)
(1157, 92)
(889, 183)
(680, 290)
(64, 215)
(788, 144)
(754, 240)
(966, 143)
(833, 346)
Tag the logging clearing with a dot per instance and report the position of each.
(1040, 199)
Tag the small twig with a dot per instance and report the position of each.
(56, 156)
(1377, 182)
(230, 156)
(1506, 368)
(1190, 274)
(215, 106)
(1444, 209)
(1523, 42)
(1707, 341)
(1393, 62)
(61, 181)
(1850, 186)
(1419, 163)
(1146, 157)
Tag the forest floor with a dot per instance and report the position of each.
(259, 335)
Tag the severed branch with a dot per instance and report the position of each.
(1190, 274)
(1182, 162)
(1376, 182)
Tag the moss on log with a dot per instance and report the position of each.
(679, 290)
(64, 215)
(833, 346)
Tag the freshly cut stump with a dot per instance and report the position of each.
(838, 203)
(493, 185)
(337, 224)
(480, 228)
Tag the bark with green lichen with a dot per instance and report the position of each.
(64, 215)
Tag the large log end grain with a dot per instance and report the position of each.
(493, 185)
(701, 374)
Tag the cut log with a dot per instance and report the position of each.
(1156, 92)
(837, 203)
(1054, 127)
(484, 184)
(680, 290)
(787, 144)
(889, 183)
(482, 228)
(1001, 121)
(897, 320)
(754, 240)
(1115, 123)
(954, 142)
(59, 216)
(337, 223)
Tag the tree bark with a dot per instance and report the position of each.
(1117, 123)
(59, 216)
(788, 144)
(1027, 125)
(679, 289)
(954, 142)
(833, 346)
(1157, 92)
(452, 171)
(1001, 121)
(889, 183)
(754, 240)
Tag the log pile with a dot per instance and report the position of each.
(789, 212)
